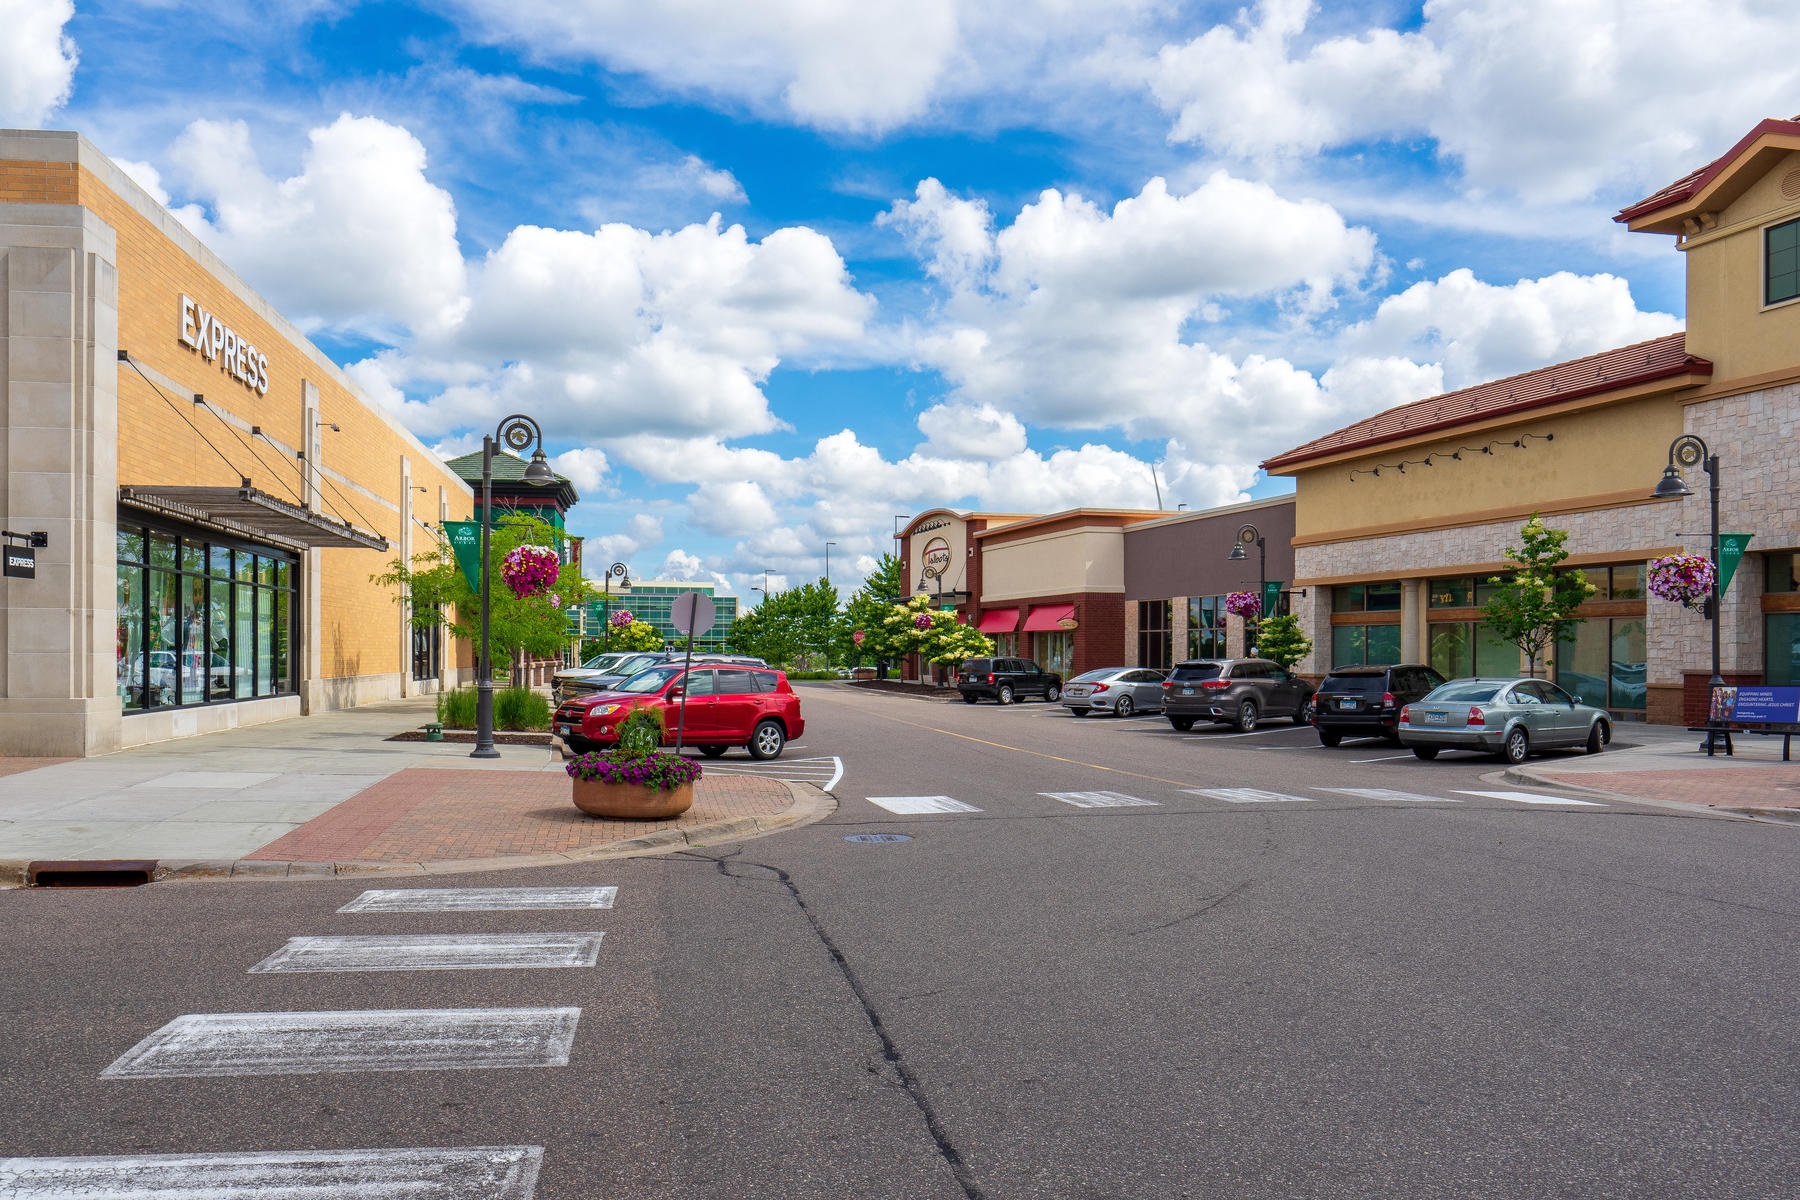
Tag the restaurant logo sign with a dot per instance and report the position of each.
(219, 342)
(937, 558)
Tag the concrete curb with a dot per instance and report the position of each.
(808, 804)
(1530, 779)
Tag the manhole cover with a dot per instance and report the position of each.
(878, 837)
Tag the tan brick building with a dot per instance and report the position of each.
(215, 492)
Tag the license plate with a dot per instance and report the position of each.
(1437, 718)
(1187, 691)
(563, 729)
(1346, 704)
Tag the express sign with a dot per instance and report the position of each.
(217, 341)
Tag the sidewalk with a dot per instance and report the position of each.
(1666, 764)
(327, 795)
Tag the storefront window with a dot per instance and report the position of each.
(1460, 649)
(1153, 634)
(1781, 636)
(186, 634)
(1055, 652)
(1781, 572)
(1206, 627)
(1366, 597)
(1451, 593)
(1603, 662)
(1358, 645)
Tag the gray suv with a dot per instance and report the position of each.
(1234, 691)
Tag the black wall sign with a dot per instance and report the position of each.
(21, 562)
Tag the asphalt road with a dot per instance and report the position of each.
(1340, 994)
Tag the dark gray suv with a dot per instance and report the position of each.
(1234, 691)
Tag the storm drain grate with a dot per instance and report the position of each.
(90, 873)
(878, 838)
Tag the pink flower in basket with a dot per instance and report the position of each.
(922, 621)
(1685, 579)
(530, 570)
(622, 618)
(1243, 604)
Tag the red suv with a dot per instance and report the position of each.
(726, 706)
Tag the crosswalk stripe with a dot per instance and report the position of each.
(1246, 795)
(907, 805)
(427, 1173)
(386, 900)
(1533, 798)
(308, 1043)
(1391, 794)
(433, 952)
(1097, 799)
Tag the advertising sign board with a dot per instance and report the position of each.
(21, 562)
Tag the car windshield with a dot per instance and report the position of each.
(601, 662)
(1187, 671)
(632, 665)
(649, 681)
(1465, 690)
(1360, 684)
(1095, 676)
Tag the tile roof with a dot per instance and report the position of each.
(509, 468)
(1604, 372)
(1694, 181)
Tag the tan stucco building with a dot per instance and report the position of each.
(215, 492)
(1400, 519)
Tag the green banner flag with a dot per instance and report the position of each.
(1731, 552)
(465, 540)
(1271, 597)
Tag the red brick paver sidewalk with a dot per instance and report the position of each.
(1725, 787)
(427, 815)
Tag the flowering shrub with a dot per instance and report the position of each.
(621, 618)
(664, 772)
(1244, 604)
(1685, 579)
(530, 570)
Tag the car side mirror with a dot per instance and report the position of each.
(1577, 700)
(674, 693)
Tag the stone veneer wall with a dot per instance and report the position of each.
(1751, 433)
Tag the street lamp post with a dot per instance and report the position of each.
(1690, 451)
(1250, 536)
(828, 546)
(622, 573)
(517, 432)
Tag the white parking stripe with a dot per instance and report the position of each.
(1098, 799)
(908, 805)
(1391, 794)
(1384, 758)
(386, 900)
(1214, 737)
(1246, 795)
(433, 952)
(309, 1043)
(457, 1173)
(1533, 798)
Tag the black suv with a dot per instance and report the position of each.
(1234, 691)
(1005, 680)
(1366, 701)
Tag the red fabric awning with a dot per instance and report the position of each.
(1045, 616)
(999, 620)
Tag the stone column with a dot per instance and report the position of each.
(1178, 628)
(1412, 620)
(1131, 634)
(1314, 611)
(59, 434)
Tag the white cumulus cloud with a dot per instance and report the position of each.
(37, 60)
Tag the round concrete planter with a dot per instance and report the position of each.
(631, 800)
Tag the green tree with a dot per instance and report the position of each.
(435, 594)
(1281, 641)
(1533, 607)
(934, 635)
(868, 610)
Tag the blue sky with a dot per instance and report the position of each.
(769, 275)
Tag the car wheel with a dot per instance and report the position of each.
(1053, 693)
(767, 740)
(1182, 724)
(1124, 707)
(1005, 695)
(1246, 716)
(1598, 737)
(1081, 712)
(713, 751)
(1425, 752)
(968, 699)
(1306, 714)
(1517, 747)
(1330, 737)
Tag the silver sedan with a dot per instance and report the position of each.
(1508, 717)
(1117, 690)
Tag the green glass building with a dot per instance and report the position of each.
(651, 602)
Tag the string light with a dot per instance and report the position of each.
(1519, 443)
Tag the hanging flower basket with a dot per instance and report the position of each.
(530, 570)
(1684, 579)
(922, 621)
(621, 619)
(1243, 604)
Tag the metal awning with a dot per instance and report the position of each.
(248, 513)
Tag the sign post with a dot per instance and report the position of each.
(691, 613)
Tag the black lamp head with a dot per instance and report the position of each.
(1671, 485)
(539, 474)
